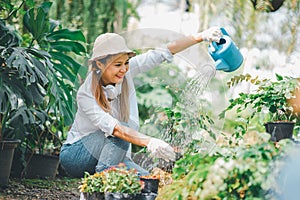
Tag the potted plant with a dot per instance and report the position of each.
(151, 183)
(59, 102)
(21, 85)
(267, 5)
(272, 96)
(92, 186)
(42, 145)
(38, 76)
(111, 184)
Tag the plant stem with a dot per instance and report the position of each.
(31, 43)
(15, 10)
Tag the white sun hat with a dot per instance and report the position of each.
(109, 44)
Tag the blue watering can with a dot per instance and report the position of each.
(225, 53)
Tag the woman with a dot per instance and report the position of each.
(107, 122)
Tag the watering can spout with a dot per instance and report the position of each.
(225, 53)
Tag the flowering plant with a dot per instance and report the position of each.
(115, 179)
(92, 183)
(151, 176)
(239, 172)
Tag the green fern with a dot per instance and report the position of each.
(240, 78)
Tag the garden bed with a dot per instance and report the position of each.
(59, 188)
(62, 188)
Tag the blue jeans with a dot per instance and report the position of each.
(95, 153)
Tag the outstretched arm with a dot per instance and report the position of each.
(157, 147)
(131, 135)
(211, 34)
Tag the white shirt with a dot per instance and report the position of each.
(90, 117)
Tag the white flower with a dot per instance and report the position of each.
(222, 173)
(223, 187)
(220, 162)
(217, 180)
(229, 165)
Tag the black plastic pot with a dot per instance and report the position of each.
(123, 196)
(147, 196)
(280, 130)
(94, 196)
(41, 166)
(150, 185)
(7, 149)
(275, 5)
(120, 196)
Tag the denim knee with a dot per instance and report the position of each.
(76, 160)
(124, 145)
(101, 167)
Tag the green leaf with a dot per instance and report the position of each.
(68, 65)
(36, 21)
(22, 115)
(8, 38)
(68, 46)
(67, 34)
(279, 77)
(61, 97)
(46, 7)
(272, 109)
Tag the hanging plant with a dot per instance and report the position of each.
(267, 5)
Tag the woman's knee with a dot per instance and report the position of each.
(101, 167)
(122, 144)
(75, 160)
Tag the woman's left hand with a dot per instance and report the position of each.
(161, 149)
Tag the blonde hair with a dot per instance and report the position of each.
(98, 91)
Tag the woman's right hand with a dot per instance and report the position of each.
(161, 149)
(212, 34)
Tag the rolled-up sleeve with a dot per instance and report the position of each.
(92, 114)
(149, 60)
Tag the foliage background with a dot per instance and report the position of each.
(275, 47)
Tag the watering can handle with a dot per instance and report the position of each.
(224, 31)
(214, 44)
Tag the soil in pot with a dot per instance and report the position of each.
(280, 130)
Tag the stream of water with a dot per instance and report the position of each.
(191, 107)
(193, 100)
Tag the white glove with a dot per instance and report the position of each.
(161, 149)
(211, 34)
